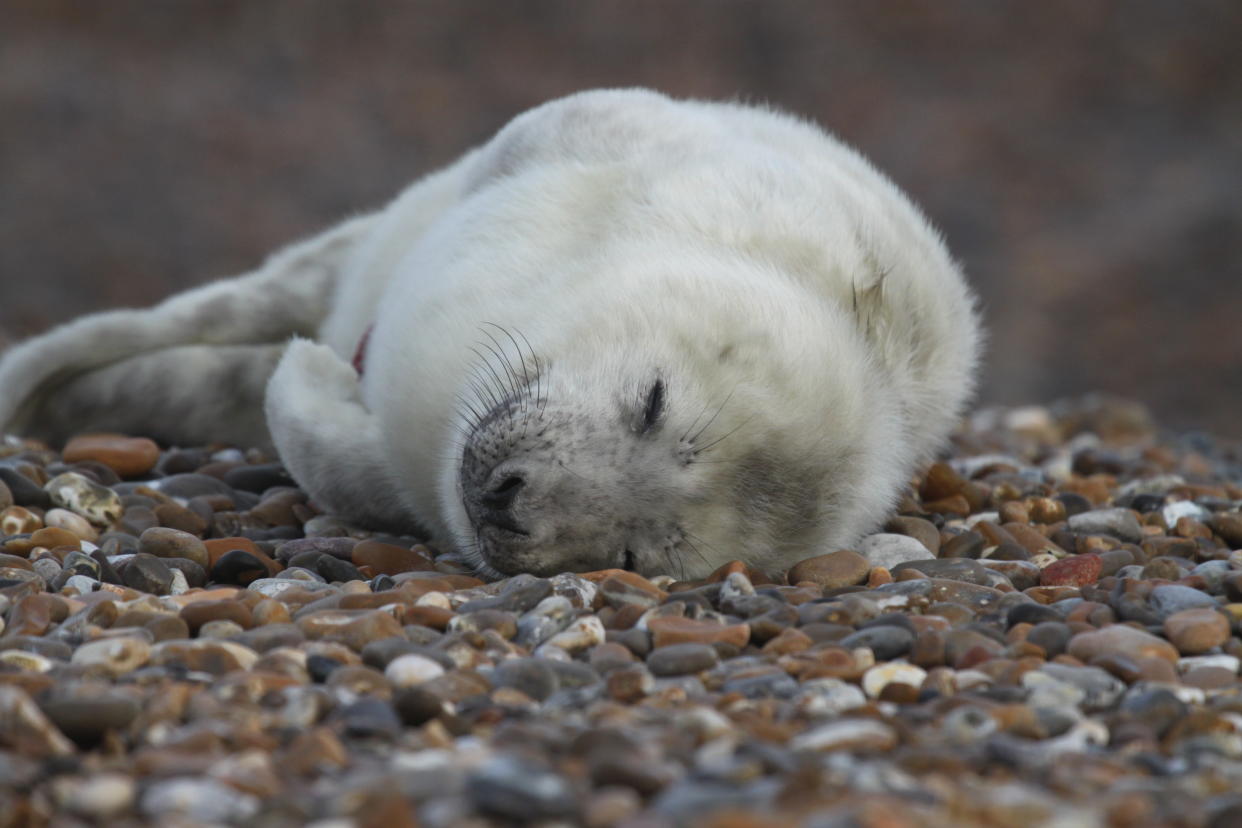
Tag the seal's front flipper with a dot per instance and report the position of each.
(329, 441)
(45, 380)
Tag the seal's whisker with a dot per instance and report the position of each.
(688, 536)
(561, 463)
(727, 434)
(518, 349)
(515, 383)
(500, 384)
(509, 380)
(708, 424)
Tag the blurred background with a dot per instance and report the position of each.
(1082, 157)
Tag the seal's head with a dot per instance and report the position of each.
(662, 451)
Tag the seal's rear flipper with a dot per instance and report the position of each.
(329, 441)
(129, 368)
(188, 394)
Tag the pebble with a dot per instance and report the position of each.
(411, 669)
(1195, 631)
(835, 569)
(127, 456)
(1118, 523)
(115, 656)
(1168, 599)
(680, 659)
(320, 674)
(1079, 570)
(163, 542)
(79, 494)
(888, 550)
(1121, 639)
(512, 788)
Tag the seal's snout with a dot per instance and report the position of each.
(493, 503)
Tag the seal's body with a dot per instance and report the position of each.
(628, 331)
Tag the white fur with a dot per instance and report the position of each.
(771, 275)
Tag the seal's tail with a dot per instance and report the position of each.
(190, 369)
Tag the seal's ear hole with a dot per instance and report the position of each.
(653, 407)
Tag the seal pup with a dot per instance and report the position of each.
(628, 331)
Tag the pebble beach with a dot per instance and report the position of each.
(1046, 633)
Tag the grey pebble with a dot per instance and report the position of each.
(520, 789)
(532, 676)
(679, 659)
(147, 573)
(370, 717)
(887, 642)
(954, 569)
(192, 485)
(1167, 599)
(336, 547)
(1116, 522)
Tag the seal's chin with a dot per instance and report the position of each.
(503, 552)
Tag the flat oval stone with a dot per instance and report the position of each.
(1117, 522)
(173, 543)
(85, 711)
(208, 656)
(1122, 639)
(880, 676)
(354, 628)
(680, 659)
(411, 669)
(116, 656)
(885, 641)
(863, 735)
(127, 456)
(888, 550)
(389, 559)
(843, 567)
(1167, 599)
(71, 522)
(668, 630)
(1195, 631)
(199, 613)
(532, 676)
(1076, 570)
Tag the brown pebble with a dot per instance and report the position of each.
(670, 630)
(389, 559)
(1195, 631)
(354, 628)
(940, 482)
(1122, 639)
(843, 567)
(437, 618)
(1014, 511)
(175, 516)
(127, 456)
(199, 613)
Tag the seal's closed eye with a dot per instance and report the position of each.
(654, 407)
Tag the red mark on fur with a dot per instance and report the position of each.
(360, 353)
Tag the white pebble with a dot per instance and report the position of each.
(411, 669)
(880, 676)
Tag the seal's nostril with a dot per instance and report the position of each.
(495, 503)
(501, 496)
